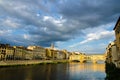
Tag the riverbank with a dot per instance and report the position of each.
(29, 62)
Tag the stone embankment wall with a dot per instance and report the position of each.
(28, 62)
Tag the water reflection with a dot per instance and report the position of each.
(87, 66)
(87, 71)
(69, 71)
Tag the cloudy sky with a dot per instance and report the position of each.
(75, 25)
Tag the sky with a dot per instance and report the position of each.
(75, 25)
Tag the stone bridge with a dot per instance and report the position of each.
(95, 58)
(86, 58)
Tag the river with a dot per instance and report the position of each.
(61, 71)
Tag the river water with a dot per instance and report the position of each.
(62, 71)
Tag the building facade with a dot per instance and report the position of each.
(6, 52)
(19, 52)
(113, 49)
(117, 41)
(117, 33)
(38, 52)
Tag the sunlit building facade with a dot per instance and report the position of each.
(6, 52)
(117, 41)
(38, 52)
(19, 52)
(113, 49)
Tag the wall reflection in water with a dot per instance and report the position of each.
(87, 71)
(66, 71)
(112, 72)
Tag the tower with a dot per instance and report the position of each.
(52, 46)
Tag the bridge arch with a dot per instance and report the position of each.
(85, 58)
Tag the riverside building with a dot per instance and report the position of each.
(113, 49)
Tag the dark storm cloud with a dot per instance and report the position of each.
(38, 22)
(92, 13)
